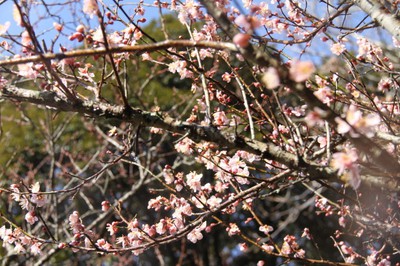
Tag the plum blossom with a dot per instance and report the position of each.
(36, 248)
(31, 217)
(179, 67)
(385, 84)
(345, 163)
(17, 16)
(193, 180)
(233, 229)
(226, 77)
(157, 203)
(355, 119)
(76, 223)
(196, 234)
(243, 22)
(3, 82)
(189, 11)
(301, 70)
(290, 246)
(105, 205)
(182, 208)
(338, 48)
(268, 248)
(184, 146)
(27, 70)
(315, 117)
(325, 95)
(266, 229)
(101, 243)
(4, 28)
(368, 50)
(396, 42)
(36, 198)
(271, 78)
(247, 3)
(220, 118)
(90, 7)
(242, 40)
(168, 175)
(214, 202)
(243, 247)
(112, 228)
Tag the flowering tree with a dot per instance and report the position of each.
(260, 132)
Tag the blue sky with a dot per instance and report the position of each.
(46, 32)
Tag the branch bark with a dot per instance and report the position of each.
(193, 131)
(380, 14)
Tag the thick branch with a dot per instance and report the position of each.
(379, 13)
(124, 49)
(193, 131)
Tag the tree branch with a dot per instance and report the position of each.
(195, 132)
(124, 49)
(381, 15)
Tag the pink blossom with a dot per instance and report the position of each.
(385, 84)
(161, 227)
(325, 95)
(342, 221)
(4, 28)
(338, 48)
(57, 27)
(38, 199)
(196, 234)
(26, 70)
(3, 82)
(36, 248)
(268, 248)
(189, 11)
(17, 16)
(182, 208)
(19, 248)
(168, 175)
(112, 228)
(179, 67)
(220, 118)
(194, 181)
(266, 229)
(247, 3)
(184, 146)
(90, 7)
(7, 234)
(75, 222)
(355, 119)
(347, 161)
(368, 50)
(214, 202)
(396, 42)
(226, 77)
(242, 40)
(322, 141)
(105, 205)
(243, 22)
(233, 229)
(271, 78)
(243, 247)
(31, 217)
(301, 70)
(315, 118)
(157, 203)
(103, 244)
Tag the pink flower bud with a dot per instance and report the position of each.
(241, 40)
